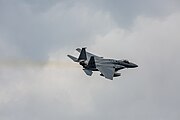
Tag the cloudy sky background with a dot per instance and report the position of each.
(38, 81)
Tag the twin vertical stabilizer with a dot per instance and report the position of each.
(83, 55)
(91, 63)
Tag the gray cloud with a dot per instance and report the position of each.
(124, 12)
(36, 33)
(60, 89)
(37, 27)
(153, 93)
(64, 92)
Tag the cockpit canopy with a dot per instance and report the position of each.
(125, 61)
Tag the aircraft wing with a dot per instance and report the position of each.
(88, 72)
(88, 54)
(107, 71)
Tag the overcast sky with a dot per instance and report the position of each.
(39, 82)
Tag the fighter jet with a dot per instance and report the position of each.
(108, 67)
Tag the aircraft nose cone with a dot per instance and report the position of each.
(135, 65)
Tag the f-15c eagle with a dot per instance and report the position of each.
(107, 67)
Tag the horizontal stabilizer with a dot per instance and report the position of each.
(88, 72)
(73, 58)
